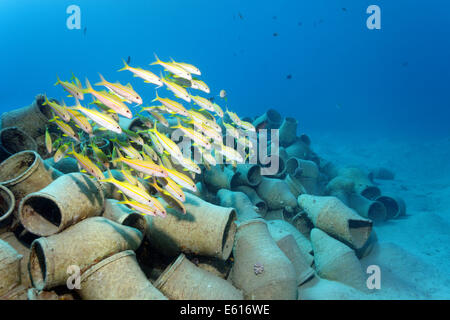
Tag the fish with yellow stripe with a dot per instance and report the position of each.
(173, 68)
(73, 89)
(109, 100)
(125, 92)
(171, 105)
(147, 76)
(147, 167)
(86, 164)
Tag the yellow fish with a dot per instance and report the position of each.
(124, 92)
(48, 141)
(61, 152)
(177, 90)
(143, 166)
(59, 110)
(172, 105)
(74, 90)
(65, 128)
(200, 85)
(147, 76)
(173, 68)
(183, 180)
(110, 101)
(188, 67)
(103, 120)
(87, 164)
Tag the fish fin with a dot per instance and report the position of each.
(125, 66)
(102, 81)
(157, 60)
(58, 81)
(88, 86)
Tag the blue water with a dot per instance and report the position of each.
(344, 77)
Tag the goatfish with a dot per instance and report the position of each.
(100, 155)
(76, 81)
(203, 103)
(199, 85)
(232, 131)
(59, 110)
(181, 179)
(172, 187)
(61, 152)
(134, 192)
(218, 110)
(188, 67)
(109, 100)
(195, 136)
(177, 90)
(73, 89)
(65, 128)
(207, 131)
(48, 141)
(146, 167)
(125, 92)
(168, 145)
(86, 164)
(247, 126)
(207, 157)
(139, 207)
(103, 120)
(134, 136)
(234, 117)
(173, 68)
(170, 199)
(173, 106)
(81, 121)
(152, 111)
(128, 149)
(189, 164)
(147, 76)
(150, 152)
(230, 153)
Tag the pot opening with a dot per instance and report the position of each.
(16, 165)
(40, 215)
(15, 140)
(377, 212)
(392, 207)
(37, 266)
(136, 221)
(359, 231)
(254, 175)
(228, 235)
(274, 116)
(371, 192)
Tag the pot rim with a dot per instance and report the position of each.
(12, 202)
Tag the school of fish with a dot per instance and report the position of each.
(153, 171)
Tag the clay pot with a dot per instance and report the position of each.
(373, 210)
(117, 277)
(298, 149)
(183, 280)
(31, 119)
(323, 289)
(305, 172)
(301, 263)
(65, 165)
(24, 251)
(259, 203)
(205, 229)
(276, 194)
(288, 131)
(17, 293)
(295, 186)
(395, 206)
(83, 245)
(217, 267)
(245, 209)
(332, 216)
(269, 120)
(7, 204)
(279, 214)
(13, 140)
(67, 200)
(280, 228)
(329, 169)
(9, 268)
(261, 270)
(121, 214)
(336, 261)
(367, 248)
(247, 175)
(216, 178)
(363, 185)
(25, 172)
(340, 187)
(302, 223)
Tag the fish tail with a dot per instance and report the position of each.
(157, 60)
(157, 97)
(58, 81)
(125, 66)
(102, 81)
(88, 86)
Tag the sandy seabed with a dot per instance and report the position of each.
(413, 252)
